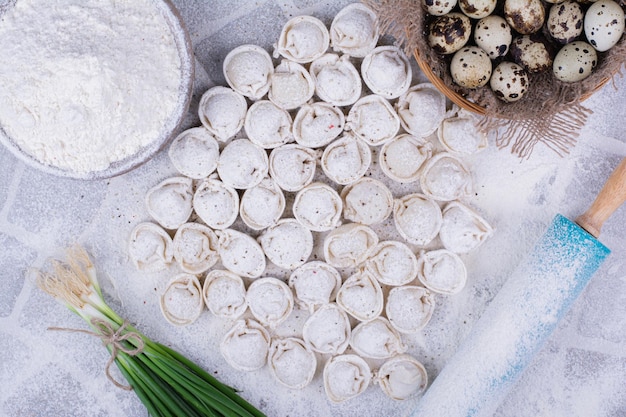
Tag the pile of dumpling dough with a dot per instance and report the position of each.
(282, 164)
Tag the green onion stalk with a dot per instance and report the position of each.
(165, 381)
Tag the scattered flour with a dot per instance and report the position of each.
(83, 83)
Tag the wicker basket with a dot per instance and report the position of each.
(551, 113)
(447, 91)
(462, 102)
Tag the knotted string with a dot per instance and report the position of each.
(114, 338)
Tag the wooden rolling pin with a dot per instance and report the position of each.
(524, 312)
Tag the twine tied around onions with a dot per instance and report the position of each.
(114, 339)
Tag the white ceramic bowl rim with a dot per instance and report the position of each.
(170, 128)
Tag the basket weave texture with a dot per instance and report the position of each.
(551, 112)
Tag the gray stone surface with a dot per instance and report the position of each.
(579, 373)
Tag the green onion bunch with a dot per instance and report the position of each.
(165, 381)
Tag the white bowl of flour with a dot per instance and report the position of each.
(91, 88)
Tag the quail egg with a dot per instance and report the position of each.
(525, 16)
(449, 33)
(477, 9)
(493, 35)
(574, 62)
(470, 67)
(604, 24)
(565, 21)
(438, 7)
(509, 81)
(532, 53)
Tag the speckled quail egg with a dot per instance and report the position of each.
(525, 16)
(449, 33)
(470, 67)
(509, 81)
(604, 24)
(438, 7)
(565, 21)
(574, 62)
(477, 9)
(532, 53)
(493, 35)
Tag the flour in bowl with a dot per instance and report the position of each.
(85, 83)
